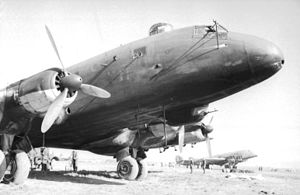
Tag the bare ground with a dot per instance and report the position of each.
(161, 180)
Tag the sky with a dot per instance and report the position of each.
(264, 118)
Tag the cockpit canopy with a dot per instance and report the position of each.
(160, 28)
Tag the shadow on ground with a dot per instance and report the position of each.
(155, 171)
(85, 177)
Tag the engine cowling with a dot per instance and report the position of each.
(184, 116)
(37, 92)
(158, 130)
(206, 129)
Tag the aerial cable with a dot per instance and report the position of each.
(192, 48)
(186, 53)
(217, 34)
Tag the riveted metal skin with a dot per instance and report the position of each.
(179, 70)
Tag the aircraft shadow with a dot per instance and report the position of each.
(155, 171)
(78, 177)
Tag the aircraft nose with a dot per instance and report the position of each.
(265, 58)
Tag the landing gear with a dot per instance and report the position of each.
(143, 170)
(131, 165)
(128, 168)
(2, 165)
(228, 168)
(18, 168)
(15, 162)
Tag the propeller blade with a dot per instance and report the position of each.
(2, 156)
(211, 119)
(54, 45)
(94, 91)
(208, 146)
(53, 111)
(181, 132)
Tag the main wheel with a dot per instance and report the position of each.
(128, 168)
(2, 165)
(19, 169)
(143, 170)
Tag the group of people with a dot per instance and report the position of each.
(203, 165)
(42, 159)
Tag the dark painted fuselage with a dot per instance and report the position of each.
(177, 70)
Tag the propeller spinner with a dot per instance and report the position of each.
(69, 82)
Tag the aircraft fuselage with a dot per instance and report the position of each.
(175, 72)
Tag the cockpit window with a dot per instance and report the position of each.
(216, 27)
(199, 31)
(211, 30)
(159, 28)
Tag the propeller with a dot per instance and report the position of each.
(206, 129)
(54, 45)
(68, 82)
(181, 132)
(208, 146)
(53, 111)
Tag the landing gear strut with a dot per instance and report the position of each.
(143, 170)
(2, 165)
(14, 159)
(128, 168)
(132, 167)
(18, 166)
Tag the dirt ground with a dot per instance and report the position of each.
(161, 180)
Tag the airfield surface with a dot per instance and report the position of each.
(101, 178)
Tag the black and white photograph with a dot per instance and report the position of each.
(149, 97)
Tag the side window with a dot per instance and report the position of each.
(199, 31)
(139, 52)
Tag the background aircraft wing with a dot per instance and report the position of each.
(215, 161)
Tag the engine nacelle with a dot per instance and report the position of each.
(185, 116)
(206, 129)
(158, 130)
(37, 92)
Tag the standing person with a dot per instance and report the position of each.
(32, 155)
(74, 160)
(191, 165)
(45, 159)
(203, 166)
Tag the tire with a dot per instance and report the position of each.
(128, 168)
(19, 169)
(23, 168)
(11, 167)
(143, 170)
(2, 156)
(2, 165)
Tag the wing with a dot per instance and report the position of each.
(215, 161)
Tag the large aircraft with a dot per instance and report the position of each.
(227, 160)
(164, 79)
